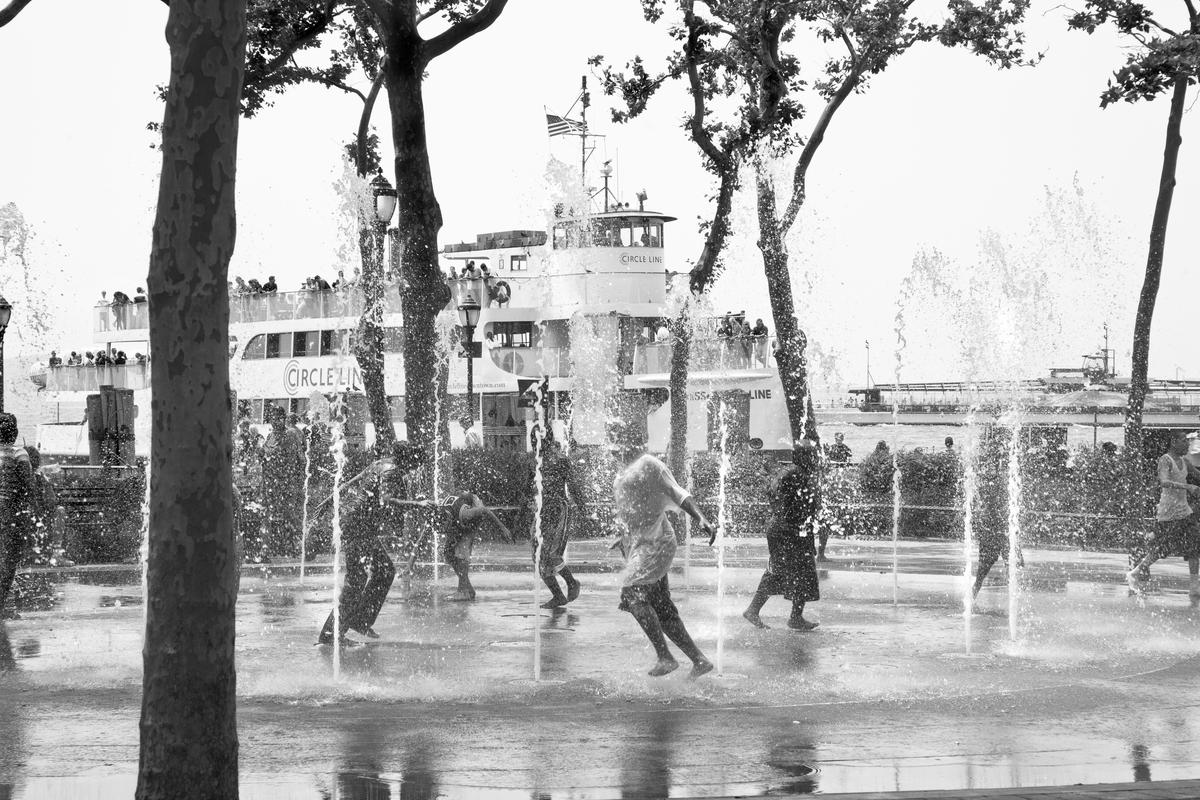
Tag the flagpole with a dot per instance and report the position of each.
(583, 137)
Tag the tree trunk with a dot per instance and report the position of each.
(790, 358)
(1138, 383)
(425, 292)
(368, 340)
(681, 347)
(189, 746)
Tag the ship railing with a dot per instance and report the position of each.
(708, 355)
(89, 378)
(263, 307)
(129, 316)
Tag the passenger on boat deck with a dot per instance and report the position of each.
(55, 361)
(139, 358)
(340, 282)
(483, 272)
(89, 358)
(320, 284)
(74, 360)
(452, 274)
(472, 271)
(102, 359)
(120, 360)
(139, 296)
(255, 286)
(269, 287)
(240, 286)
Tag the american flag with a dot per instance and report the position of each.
(561, 126)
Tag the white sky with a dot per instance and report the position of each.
(941, 149)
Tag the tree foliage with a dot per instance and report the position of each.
(750, 86)
(1162, 54)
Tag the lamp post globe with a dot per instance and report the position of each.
(385, 199)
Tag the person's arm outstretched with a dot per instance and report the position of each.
(477, 510)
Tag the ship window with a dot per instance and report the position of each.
(393, 340)
(612, 233)
(255, 348)
(647, 234)
(299, 405)
(270, 405)
(333, 342)
(256, 412)
(518, 263)
(396, 406)
(512, 334)
(305, 343)
(279, 345)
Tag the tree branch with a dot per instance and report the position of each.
(10, 11)
(456, 34)
(365, 121)
(1193, 15)
(800, 176)
(319, 25)
(700, 136)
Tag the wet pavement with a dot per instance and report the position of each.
(1098, 688)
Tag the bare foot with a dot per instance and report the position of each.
(663, 667)
(461, 597)
(701, 667)
(753, 619)
(555, 602)
(802, 624)
(572, 591)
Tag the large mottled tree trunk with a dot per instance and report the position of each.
(790, 358)
(1138, 383)
(189, 746)
(425, 292)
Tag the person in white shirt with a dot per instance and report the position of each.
(1175, 530)
(643, 493)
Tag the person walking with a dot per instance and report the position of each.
(1175, 529)
(643, 492)
(283, 484)
(793, 497)
(464, 514)
(16, 503)
(372, 508)
(992, 516)
(560, 489)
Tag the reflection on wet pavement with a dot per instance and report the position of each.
(1099, 687)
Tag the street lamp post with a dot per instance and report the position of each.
(5, 316)
(468, 317)
(385, 207)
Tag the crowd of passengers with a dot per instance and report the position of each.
(498, 291)
(101, 358)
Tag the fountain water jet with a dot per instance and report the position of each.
(1014, 517)
(337, 446)
(539, 433)
(968, 502)
(722, 522)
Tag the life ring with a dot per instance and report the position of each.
(514, 363)
(500, 292)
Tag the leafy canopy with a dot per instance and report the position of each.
(1163, 54)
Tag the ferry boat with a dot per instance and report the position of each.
(602, 276)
